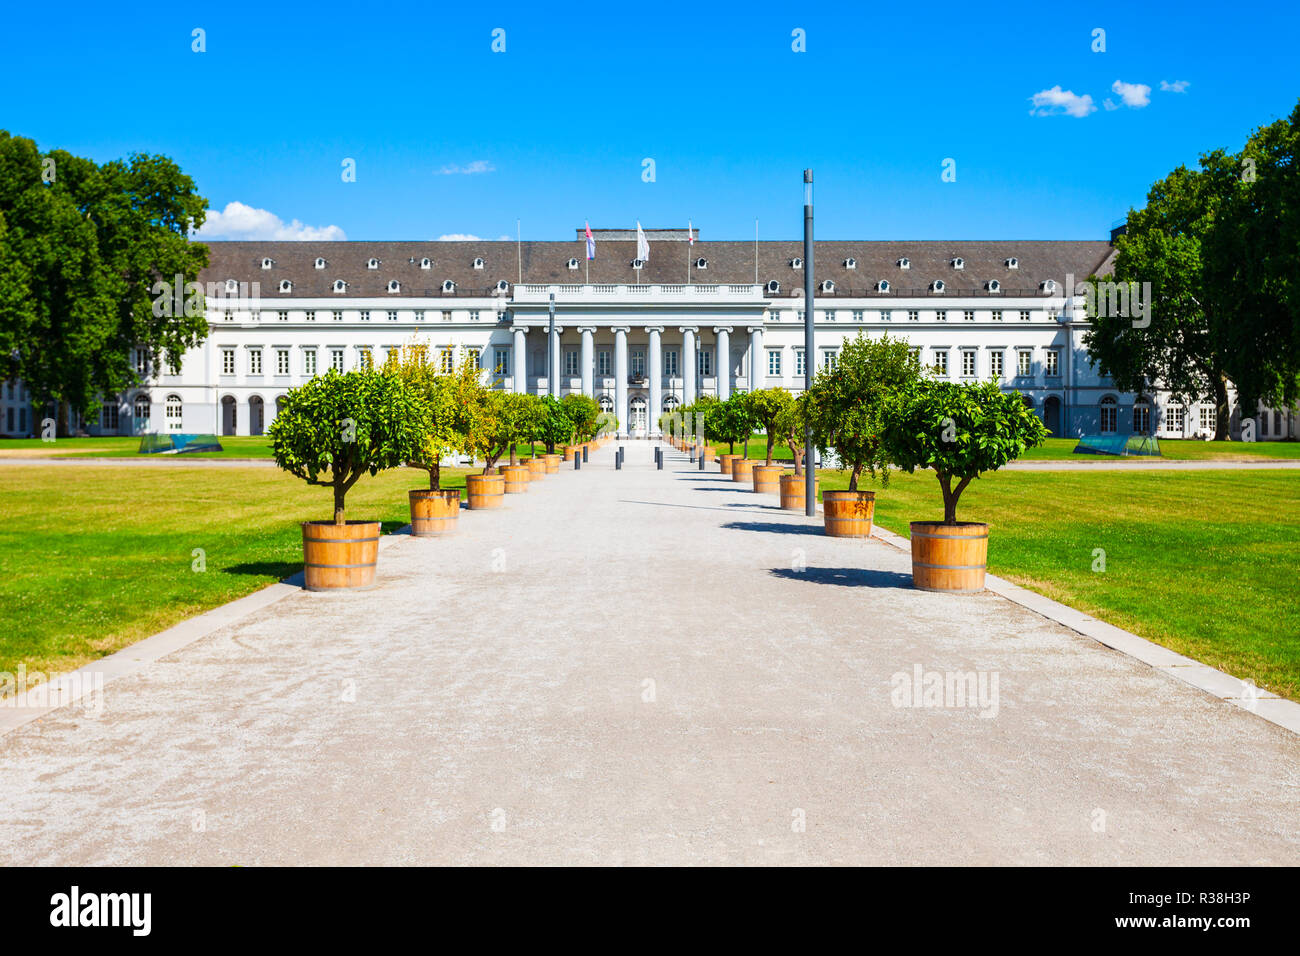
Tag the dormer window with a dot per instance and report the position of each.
(478, 263)
(850, 263)
(573, 265)
(320, 263)
(796, 263)
(773, 287)
(448, 286)
(232, 287)
(372, 264)
(701, 263)
(340, 285)
(828, 285)
(426, 263)
(904, 263)
(286, 285)
(882, 285)
(959, 263)
(638, 263)
(394, 285)
(503, 286)
(937, 286)
(267, 263)
(993, 285)
(1013, 263)
(1049, 286)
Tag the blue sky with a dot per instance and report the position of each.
(561, 122)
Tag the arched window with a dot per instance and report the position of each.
(671, 402)
(174, 413)
(606, 404)
(286, 285)
(448, 286)
(256, 415)
(882, 285)
(340, 286)
(1142, 417)
(394, 286)
(1109, 415)
(142, 411)
(773, 287)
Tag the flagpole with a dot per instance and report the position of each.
(756, 252)
(519, 248)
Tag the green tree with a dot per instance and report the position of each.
(846, 403)
(730, 421)
(95, 242)
(340, 426)
(554, 425)
(1170, 344)
(445, 396)
(766, 406)
(583, 411)
(959, 430)
(791, 426)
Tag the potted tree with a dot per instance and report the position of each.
(434, 511)
(730, 422)
(516, 421)
(485, 425)
(583, 411)
(554, 428)
(791, 426)
(846, 407)
(766, 407)
(331, 431)
(961, 431)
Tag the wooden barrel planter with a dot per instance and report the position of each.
(793, 489)
(709, 454)
(847, 514)
(725, 461)
(433, 512)
(339, 556)
(516, 477)
(767, 479)
(949, 557)
(536, 469)
(571, 452)
(552, 463)
(742, 469)
(486, 491)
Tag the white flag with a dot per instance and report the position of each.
(642, 247)
(690, 234)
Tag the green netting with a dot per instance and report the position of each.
(155, 444)
(1117, 445)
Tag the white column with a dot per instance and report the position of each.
(756, 370)
(723, 361)
(656, 373)
(620, 379)
(520, 359)
(688, 363)
(588, 359)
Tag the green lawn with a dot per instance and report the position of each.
(1062, 449)
(232, 446)
(92, 559)
(1206, 563)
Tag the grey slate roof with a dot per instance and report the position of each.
(544, 262)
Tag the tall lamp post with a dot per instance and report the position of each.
(552, 356)
(809, 353)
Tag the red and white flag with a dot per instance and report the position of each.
(690, 234)
(591, 243)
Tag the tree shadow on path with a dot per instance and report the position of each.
(848, 577)
(774, 527)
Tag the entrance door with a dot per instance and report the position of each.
(255, 415)
(637, 426)
(228, 415)
(1052, 415)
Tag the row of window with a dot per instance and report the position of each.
(335, 358)
(913, 315)
(362, 315)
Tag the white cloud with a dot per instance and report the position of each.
(238, 221)
(1110, 104)
(1057, 100)
(1134, 95)
(1177, 86)
(469, 169)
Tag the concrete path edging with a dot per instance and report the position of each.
(1233, 690)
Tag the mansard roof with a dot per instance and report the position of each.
(729, 262)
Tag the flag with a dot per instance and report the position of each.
(591, 243)
(642, 247)
(690, 234)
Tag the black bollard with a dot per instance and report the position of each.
(584, 453)
(577, 463)
(660, 464)
(702, 460)
(618, 460)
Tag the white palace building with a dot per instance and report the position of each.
(708, 318)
